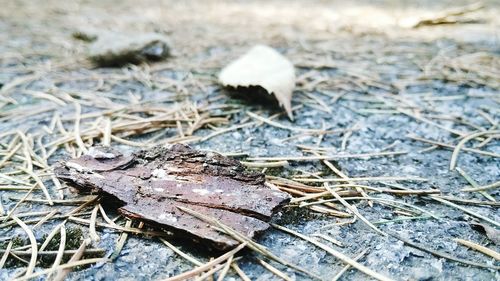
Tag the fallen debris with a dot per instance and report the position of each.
(492, 233)
(262, 67)
(458, 15)
(154, 184)
(118, 49)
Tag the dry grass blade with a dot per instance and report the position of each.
(336, 254)
(121, 228)
(121, 242)
(105, 216)
(18, 203)
(479, 248)
(329, 157)
(242, 238)
(409, 178)
(39, 183)
(281, 126)
(344, 176)
(210, 272)
(61, 274)
(275, 271)
(224, 271)
(474, 183)
(345, 268)
(93, 220)
(440, 254)
(51, 235)
(240, 272)
(78, 137)
(14, 180)
(329, 239)
(181, 253)
(9, 155)
(483, 188)
(446, 202)
(265, 164)
(34, 246)
(202, 268)
(46, 218)
(449, 146)
(60, 252)
(5, 254)
(456, 151)
(353, 210)
(63, 267)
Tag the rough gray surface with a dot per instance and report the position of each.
(146, 259)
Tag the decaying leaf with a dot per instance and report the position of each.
(152, 184)
(492, 233)
(118, 49)
(265, 67)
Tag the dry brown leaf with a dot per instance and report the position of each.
(265, 67)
